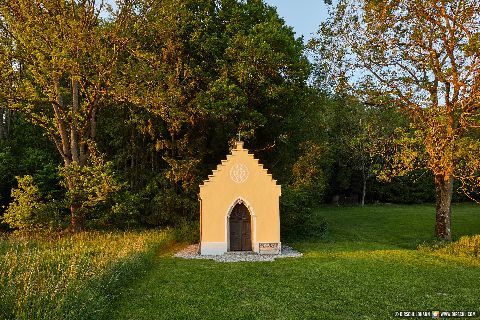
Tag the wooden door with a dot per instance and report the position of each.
(240, 229)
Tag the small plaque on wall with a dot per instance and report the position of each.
(269, 248)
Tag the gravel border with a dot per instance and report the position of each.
(192, 252)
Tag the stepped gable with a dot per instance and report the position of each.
(223, 164)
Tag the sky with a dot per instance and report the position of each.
(303, 15)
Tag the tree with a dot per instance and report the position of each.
(56, 63)
(424, 56)
(208, 69)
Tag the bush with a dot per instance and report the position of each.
(124, 211)
(23, 210)
(90, 185)
(304, 193)
(28, 211)
(157, 204)
(188, 231)
(466, 246)
(296, 219)
(163, 205)
(53, 215)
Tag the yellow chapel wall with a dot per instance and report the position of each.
(220, 193)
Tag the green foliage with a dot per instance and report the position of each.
(296, 209)
(415, 187)
(417, 56)
(59, 81)
(307, 172)
(171, 208)
(7, 163)
(158, 204)
(199, 72)
(356, 139)
(166, 206)
(23, 210)
(90, 184)
(207, 69)
(125, 212)
(163, 89)
(305, 192)
(25, 151)
(188, 232)
(30, 209)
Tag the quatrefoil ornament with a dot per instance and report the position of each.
(239, 173)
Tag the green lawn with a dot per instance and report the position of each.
(366, 267)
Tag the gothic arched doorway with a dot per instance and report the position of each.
(240, 228)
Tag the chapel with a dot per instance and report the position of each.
(239, 207)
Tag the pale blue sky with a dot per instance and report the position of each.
(303, 15)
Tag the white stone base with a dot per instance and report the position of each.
(219, 248)
(213, 248)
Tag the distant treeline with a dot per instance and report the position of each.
(113, 119)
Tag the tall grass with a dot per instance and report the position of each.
(69, 276)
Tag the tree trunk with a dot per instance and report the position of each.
(76, 221)
(364, 190)
(444, 189)
(76, 218)
(5, 119)
(74, 126)
(8, 121)
(64, 148)
(2, 126)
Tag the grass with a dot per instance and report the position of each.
(366, 267)
(70, 276)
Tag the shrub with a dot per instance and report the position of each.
(157, 204)
(187, 231)
(304, 193)
(124, 212)
(296, 219)
(90, 185)
(466, 246)
(22, 212)
(28, 210)
(161, 204)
